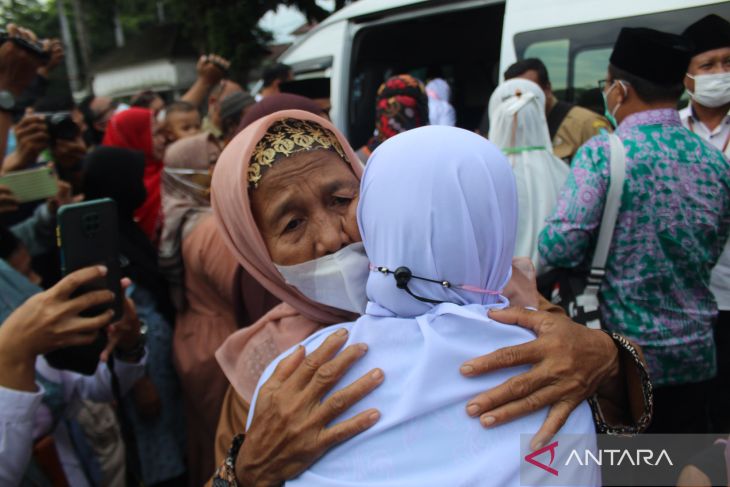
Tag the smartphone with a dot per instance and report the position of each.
(31, 184)
(87, 235)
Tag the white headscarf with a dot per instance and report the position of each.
(441, 201)
(440, 111)
(518, 126)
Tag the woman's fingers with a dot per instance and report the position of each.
(82, 325)
(89, 300)
(71, 282)
(555, 420)
(343, 399)
(518, 408)
(319, 357)
(287, 366)
(514, 389)
(349, 428)
(331, 372)
(532, 320)
(503, 358)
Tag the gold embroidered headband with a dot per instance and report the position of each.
(287, 137)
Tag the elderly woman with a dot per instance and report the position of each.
(288, 209)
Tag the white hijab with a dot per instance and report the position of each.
(518, 126)
(440, 111)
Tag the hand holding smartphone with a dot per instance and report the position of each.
(87, 236)
(31, 184)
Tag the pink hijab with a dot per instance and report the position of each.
(245, 354)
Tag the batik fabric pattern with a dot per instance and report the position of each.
(673, 222)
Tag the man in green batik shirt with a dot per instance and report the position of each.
(672, 224)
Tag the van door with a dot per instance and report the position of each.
(458, 41)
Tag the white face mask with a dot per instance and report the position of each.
(337, 280)
(711, 90)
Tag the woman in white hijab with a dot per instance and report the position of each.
(519, 128)
(438, 265)
(440, 111)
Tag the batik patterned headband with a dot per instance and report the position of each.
(285, 138)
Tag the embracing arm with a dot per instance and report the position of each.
(570, 363)
(291, 427)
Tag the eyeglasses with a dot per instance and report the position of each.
(603, 83)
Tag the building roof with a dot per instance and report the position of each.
(303, 29)
(163, 41)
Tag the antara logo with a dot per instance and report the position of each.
(618, 457)
(551, 448)
(601, 457)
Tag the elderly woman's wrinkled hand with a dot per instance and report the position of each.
(521, 290)
(291, 425)
(569, 362)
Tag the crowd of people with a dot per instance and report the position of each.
(300, 311)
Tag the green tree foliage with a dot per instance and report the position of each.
(36, 14)
(225, 27)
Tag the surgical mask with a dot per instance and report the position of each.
(711, 90)
(610, 114)
(338, 280)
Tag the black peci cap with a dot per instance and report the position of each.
(655, 56)
(708, 33)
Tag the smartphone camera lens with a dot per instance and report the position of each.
(90, 223)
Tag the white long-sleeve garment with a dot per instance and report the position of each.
(518, 127)
(24, 418)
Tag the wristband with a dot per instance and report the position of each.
(225, 475)
(647, 390)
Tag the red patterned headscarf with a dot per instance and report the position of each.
(401, 104)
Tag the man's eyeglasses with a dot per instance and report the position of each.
(604, 83)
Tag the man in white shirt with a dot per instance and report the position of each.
(708, 115)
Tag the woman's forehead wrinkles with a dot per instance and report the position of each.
(299, 169)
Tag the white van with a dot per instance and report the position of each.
(470, 43)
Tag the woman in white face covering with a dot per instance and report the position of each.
(519, 128)
(437, 267)
(285, 194)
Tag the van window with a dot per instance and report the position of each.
(585, 48)
(555, 56)
(590, 66)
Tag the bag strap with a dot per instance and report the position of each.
(617, 166)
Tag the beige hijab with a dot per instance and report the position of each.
(247, 352)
